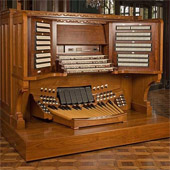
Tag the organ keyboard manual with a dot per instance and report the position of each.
(71, 80)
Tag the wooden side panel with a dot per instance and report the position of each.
(19, 44)
(140, 88)
(19, 62)
(5, 78)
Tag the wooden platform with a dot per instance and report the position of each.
(43, 139)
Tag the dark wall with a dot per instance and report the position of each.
(80, 6)
(166, 65)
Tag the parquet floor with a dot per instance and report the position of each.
(153, 155)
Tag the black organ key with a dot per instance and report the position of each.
(67, 96)
(83, 94)
(73, 96)
(61, 96)
(78, 95)
(89, 94)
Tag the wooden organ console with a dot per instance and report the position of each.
(70, 80)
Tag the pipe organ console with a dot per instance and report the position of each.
(92, 73)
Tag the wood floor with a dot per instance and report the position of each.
(153, 155)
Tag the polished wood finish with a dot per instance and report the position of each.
(83, 34)
(44, 140)
(37, 139)
(143, 155)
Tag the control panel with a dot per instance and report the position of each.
(79, 96)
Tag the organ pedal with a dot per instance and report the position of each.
(77, 107)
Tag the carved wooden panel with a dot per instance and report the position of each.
(5, 78)
(19, 44)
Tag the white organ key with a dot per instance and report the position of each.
(133, 64)
(89, 70)
(133, 49)
(133, 34)
(39, 24)
(43, 60)
(134, 55)
(133, 38)
(43, 30)
(43, 65)
(43, 47)
(81, 57)
(123, 27)
(86, 65)
(132, 45)
(43, 55)
(39, 37)
(43, 42)
(140, 27)
(83, 61)
(132, 60)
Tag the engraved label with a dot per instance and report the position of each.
(133, 34)
(123, 28)
(133, 64)
(43, 65)
(132, 60)
(39, 24)
(133, 49)
(43, 37)
(134, 55)
(134, 38)
(140, 27)
(43, 42)
(43, 47)
(132, 45)
(43, 55)
(43, 30)
(43, 60)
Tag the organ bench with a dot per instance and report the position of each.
(77, 82)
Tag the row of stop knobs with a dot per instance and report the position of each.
(48, 99)
(100, 87)
(47, 90)
(120, 101)
(105, 96)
